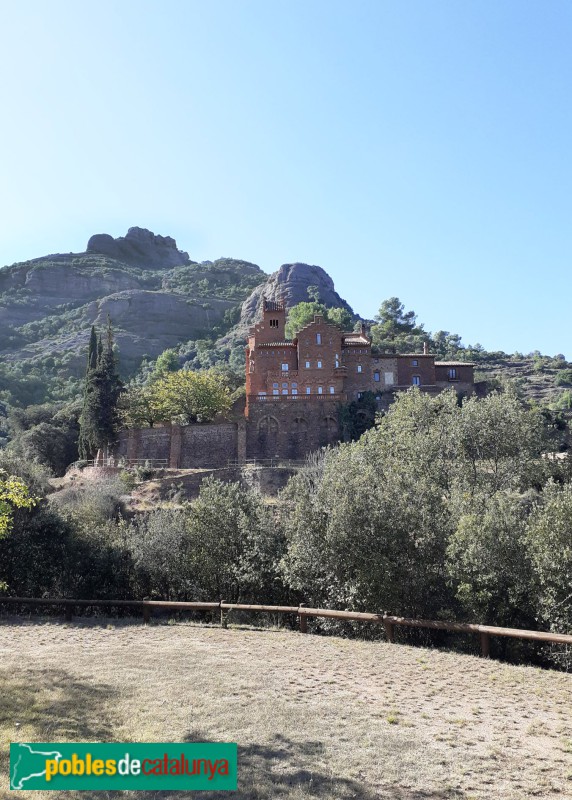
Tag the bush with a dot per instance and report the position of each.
(564, 378)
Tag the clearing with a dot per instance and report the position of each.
(314, 717)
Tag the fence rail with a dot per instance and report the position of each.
(302, 612)
(267, 462)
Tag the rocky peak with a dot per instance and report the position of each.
(140, 247)
(290, 284)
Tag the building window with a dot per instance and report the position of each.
(359, 395)
(320, 390)
(262, 394)
(284, 385)
(273, 323)
(319, 365)
(275, 391)
(376, 376)
(307, 365)
(294, 391)
(388, 378)
(359, 367)
(318, 338)
(415, 363)
(452, 373)
(284, 391)
(294, 385)
(416, 380)
(275, 386)
(332, 390)
(337, 361)
(308, 390)
(284, 367)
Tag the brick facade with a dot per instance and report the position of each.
(293, 394)
(323, 360)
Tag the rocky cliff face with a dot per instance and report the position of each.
(288, 284)
(155, 296)
(141, 247)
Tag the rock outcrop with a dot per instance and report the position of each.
(140, 247)
(290, 284)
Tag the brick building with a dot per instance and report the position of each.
(294, 390)
(324, 364)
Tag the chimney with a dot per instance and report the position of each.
(425, 349)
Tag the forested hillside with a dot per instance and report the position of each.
(159, 300)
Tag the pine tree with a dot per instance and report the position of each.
(99, 419)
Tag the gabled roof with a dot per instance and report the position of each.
(355, 338)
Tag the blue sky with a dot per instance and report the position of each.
(418, 149)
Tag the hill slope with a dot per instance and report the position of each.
(158, 298)
(155, 296)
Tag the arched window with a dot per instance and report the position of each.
(268, 425)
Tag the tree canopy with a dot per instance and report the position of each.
(184, 395)
(303, 313)
(395, 330)
(99, 418)
(13, 494)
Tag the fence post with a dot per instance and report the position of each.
(68, 612)
(303, 621)
(389, 630)
(485, 644)
(146, 614)
(223, 619)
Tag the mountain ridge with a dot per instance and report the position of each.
(156, 296)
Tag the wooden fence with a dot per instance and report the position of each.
(389, 622)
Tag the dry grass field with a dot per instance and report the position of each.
(314, 717)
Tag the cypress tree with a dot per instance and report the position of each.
(99, 419)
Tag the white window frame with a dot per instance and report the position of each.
(284, 367)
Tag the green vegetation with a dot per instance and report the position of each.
(442, 510)
(303, 313)
(395, 330)
(564, 378)
(99, 418)
(226, 277)
(13, 494)
(183, 396)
